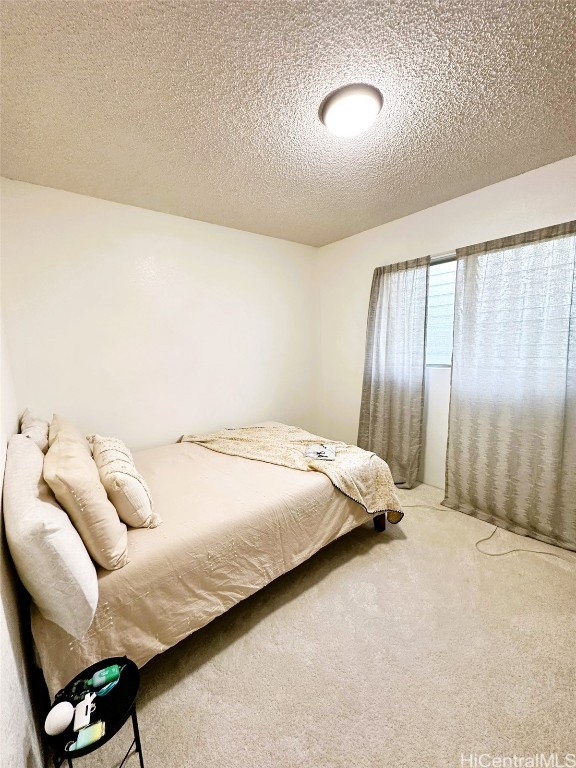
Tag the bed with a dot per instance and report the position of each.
(230, 526)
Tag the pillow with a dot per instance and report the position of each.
(73, 476)
(48, 553)
(125, 486)
(35, 428)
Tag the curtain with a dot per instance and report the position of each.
(392, 406)
(512, 426)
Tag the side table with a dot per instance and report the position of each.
(114, 708)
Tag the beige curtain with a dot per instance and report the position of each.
(512, 427)
(393, 388)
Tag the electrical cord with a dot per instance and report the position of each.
(509, 552)
(487, 538)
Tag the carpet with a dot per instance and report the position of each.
(409, 649)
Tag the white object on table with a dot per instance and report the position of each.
(83, 711)
(59, 718)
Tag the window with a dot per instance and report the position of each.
(440, 312)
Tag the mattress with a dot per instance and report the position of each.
(230, 526)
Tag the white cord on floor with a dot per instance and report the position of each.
(499, 554)
(487, 538)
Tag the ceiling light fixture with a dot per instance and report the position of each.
(351, 110)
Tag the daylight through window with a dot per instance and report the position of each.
(440, 316)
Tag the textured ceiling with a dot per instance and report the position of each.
(209, 109)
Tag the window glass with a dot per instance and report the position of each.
(440, 318)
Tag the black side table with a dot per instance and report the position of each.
(114, 708)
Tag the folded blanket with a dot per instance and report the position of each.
(360, 475)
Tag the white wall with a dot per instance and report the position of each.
(19, 737)
(145, 325)
(344, 270)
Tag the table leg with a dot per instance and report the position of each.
(137, 736)
(58, 761)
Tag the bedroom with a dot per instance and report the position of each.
(186, 248)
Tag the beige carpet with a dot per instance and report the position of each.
(401, 649)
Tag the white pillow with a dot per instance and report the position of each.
(125, 486)
(36, 428)
(48, 553)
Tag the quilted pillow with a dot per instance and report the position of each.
(125, 486)
(36, 428)
(73, 476)
(48, 553)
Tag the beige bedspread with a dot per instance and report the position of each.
(361, 475)
(231, 525)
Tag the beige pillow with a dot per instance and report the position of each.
(36, 428)
(73, 476)
(48, 553)
(125, 486)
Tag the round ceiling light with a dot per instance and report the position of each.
(351, 110)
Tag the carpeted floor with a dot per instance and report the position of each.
(406, 649)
